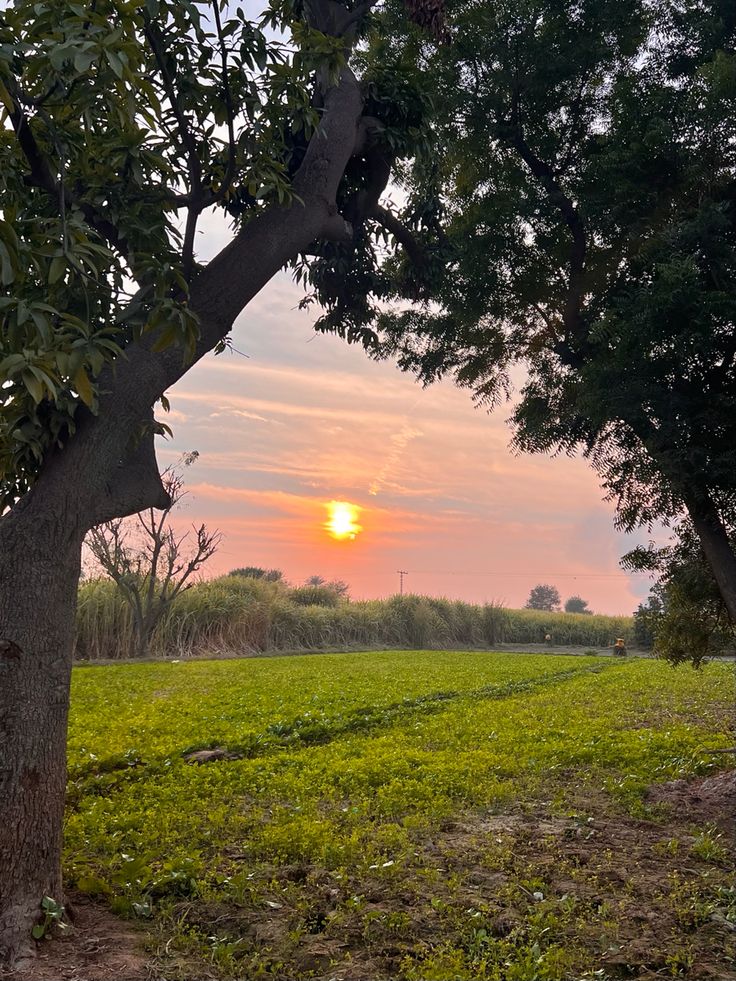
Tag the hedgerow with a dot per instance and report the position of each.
(240, 614)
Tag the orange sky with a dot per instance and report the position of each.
(304, 420)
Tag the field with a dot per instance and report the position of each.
(409, 815)
(236, 614)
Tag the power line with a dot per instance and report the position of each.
(531, 575)
(402, 573)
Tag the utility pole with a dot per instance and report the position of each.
(402, 573)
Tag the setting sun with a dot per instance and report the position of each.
(342, 521)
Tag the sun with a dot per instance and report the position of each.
(342, 520)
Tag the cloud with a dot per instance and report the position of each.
(241, 414)
(399, 442)
(307, 419)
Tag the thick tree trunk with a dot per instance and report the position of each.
(107, 471)
(39, 572)
(717, 548)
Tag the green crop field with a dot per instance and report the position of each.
(410, 815)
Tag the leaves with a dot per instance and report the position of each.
(114, 124)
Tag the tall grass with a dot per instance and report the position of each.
(237, 615)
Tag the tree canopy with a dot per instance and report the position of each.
(123, 122)
(576, 604)
(685, 618)
(543, 597)
(577, 218)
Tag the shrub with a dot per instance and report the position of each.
(314, 596)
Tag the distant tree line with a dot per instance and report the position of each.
(545, 597)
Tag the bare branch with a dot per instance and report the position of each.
(153, 566)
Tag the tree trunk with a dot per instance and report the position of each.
(717, 548)
(108, 471)
(39, 573)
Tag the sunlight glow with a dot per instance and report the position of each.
(342, 521)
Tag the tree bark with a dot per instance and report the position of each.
(39, 573)
(107, 471)
(718, 551)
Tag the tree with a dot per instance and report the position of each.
(121, 121)
(584, 169)
(685, 618)
(256, 572)
(336, 586)
(646, 617)
(576, 604)
(149, 563)
(544, 598)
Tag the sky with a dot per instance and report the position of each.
(297, 420)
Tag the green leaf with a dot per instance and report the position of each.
(84, 387)
(171, 335)
(92, 885)
(83, 60)
(38, 932)
(56, 269)
(7, 272)
(115, 63)
(34, 386)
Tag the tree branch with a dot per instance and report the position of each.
(230, 169)
(401, 233)
(135, 483)
(512, 132)
(93, 462)
(194, 166)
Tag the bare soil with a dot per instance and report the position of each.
(644, 899)
(711, 799)
(98, 946)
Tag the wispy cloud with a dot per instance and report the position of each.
(399, 442)
(240, 414)
(302, 422)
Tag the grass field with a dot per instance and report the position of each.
(411, 815)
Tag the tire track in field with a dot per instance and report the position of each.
(308, 730)
(102, 777)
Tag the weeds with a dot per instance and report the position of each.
(328, 827)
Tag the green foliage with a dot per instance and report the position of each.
(576, 604)
(584, 156)
(314, 596)
(117, 119)
(53, 917)
(343, 770)
(685, 618)
(646, 616)
(237, 614)
(545, 597)
(255, 572)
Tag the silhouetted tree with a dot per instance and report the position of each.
(576, 604)
(149, 563)
(256, 572)
(544, 597)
